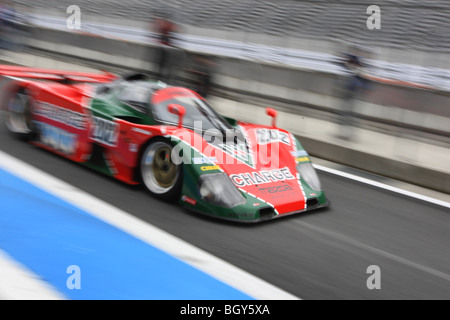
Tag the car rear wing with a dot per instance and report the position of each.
(55, 75)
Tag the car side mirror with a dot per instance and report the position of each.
(179, 111)
(272, 113)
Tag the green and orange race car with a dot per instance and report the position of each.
(168, 138)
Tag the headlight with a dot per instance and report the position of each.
(218, 189)
(309, 175)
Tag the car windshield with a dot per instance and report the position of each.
(199, 115)
(137, 95)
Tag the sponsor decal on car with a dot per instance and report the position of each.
(139, 130)
(56, 138)
(261, 177)
(133, 147)
(209, 168)
(276, 189)
(302, 159)
(189, 200)
(299, 153)
(203, 160)
(105, 131)
(62, 115)
(240, 215)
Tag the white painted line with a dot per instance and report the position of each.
(217, 268)
(19, 283)
(383, 186)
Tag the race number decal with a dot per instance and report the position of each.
(105, 131)
(272, 135)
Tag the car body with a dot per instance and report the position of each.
(167, 138)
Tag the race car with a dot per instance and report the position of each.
(167, 138)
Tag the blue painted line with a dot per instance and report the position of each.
(48, 235)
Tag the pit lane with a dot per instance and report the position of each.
(319, 255)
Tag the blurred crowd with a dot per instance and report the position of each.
(13, 26)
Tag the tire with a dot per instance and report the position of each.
(161, 177)
(17, 116)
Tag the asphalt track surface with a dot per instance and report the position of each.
(319, 255)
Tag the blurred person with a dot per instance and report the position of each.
(165, 30)
(354, 85)
(203, 72)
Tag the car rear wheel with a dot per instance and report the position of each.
(17, 114)
(160, 175)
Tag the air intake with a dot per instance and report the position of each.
(266, 213)
(312, 202)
